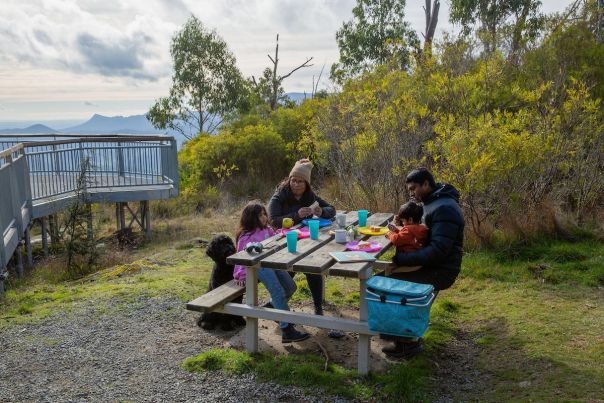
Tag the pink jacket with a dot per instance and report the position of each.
(258, 235)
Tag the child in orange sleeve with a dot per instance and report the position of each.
(413, 235)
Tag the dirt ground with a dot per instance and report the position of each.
(341, 351)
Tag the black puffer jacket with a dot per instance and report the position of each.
(443, 252)
(284, 204)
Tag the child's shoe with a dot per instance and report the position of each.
(291, 334)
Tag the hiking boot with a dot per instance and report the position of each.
(402, 349)
(291, 334)
(269, 304)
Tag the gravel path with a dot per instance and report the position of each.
(122, 352)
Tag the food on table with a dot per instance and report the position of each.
(375, 228)
(364, 245)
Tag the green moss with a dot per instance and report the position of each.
(406, 382)
(25, 309)
(229, 361)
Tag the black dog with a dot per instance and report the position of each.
(219, 248)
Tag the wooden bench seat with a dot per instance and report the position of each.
(216, 298)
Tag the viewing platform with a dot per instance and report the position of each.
(41, 175)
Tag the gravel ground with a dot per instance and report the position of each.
(123, 352)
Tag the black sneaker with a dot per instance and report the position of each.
(404, 349)
(269, 304)
(291, 334)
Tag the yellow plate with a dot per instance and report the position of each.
(367, 231)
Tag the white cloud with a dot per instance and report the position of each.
(91, 50)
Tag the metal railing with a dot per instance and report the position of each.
(15, 200)
(54, 166)
(33, 172)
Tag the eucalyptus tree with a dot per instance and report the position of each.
(518, 20)
(377, 33)
(206, 83)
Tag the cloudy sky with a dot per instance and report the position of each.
(68, 59)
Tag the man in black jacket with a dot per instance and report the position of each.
(440, 259)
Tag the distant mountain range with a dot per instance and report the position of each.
(33, 129)
(99, 124)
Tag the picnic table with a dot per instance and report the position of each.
(312, 256)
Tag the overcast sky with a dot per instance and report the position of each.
(68, 59)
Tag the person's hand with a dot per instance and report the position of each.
(392, 227)
(304, 212)
(318, 211)
(240, 283)
(397, 221)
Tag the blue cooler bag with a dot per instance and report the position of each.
(398, 307)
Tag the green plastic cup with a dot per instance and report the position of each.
(313, 226)
(292, 241)
(363, 218)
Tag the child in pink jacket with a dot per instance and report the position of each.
(253, 227)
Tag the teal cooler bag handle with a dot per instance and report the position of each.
(398, 307)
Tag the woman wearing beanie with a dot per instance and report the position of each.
(292, 199)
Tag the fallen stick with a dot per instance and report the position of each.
(325, 354)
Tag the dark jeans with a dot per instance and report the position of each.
(425, 276)
(315, 284)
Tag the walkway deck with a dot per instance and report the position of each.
(40, 178)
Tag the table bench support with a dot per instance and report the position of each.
(364, 339)
(251, 299)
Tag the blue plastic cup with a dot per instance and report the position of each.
(363, 218)
(292, 241)
(313, 226)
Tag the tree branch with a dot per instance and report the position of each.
(305, 64)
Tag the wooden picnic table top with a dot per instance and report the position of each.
(312, 256)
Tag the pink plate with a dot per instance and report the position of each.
(354, 246)
(302, 232)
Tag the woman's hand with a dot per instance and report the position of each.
(304, 212)
(240, 283)
(318, 211)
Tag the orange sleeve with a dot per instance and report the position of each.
(402, 238)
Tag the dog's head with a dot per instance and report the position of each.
(220, 247)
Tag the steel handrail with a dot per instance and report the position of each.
(29, 174)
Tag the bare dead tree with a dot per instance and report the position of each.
(278, 80)
(315, 85)
(431, 10)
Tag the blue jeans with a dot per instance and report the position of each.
(280, 286)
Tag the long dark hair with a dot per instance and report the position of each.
(250, 220)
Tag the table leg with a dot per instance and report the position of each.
(364, 339)
(251, 298)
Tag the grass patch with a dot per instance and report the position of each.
(406, 382)
(169, 272)
(570, 264)
(534, 315)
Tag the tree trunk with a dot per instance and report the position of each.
(600, 16)
(514, 57)
(431, 11)
(275, 80)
